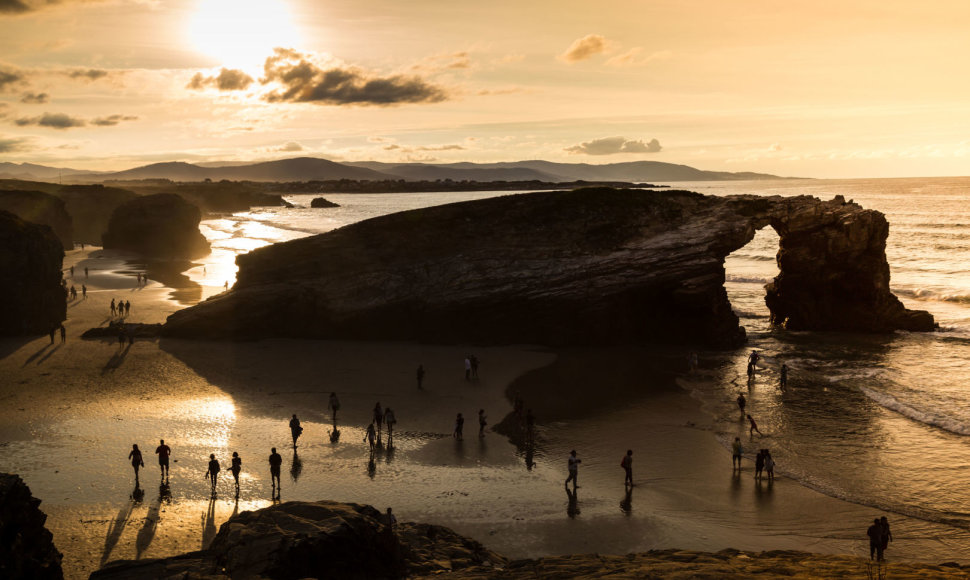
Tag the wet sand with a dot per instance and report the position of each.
(70, 413)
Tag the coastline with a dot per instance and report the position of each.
(217, 397)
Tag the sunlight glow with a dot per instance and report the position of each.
(241, 34)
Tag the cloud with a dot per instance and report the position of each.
(11, 77)
(443, 62)
(112, 120)
(614, 145)
(290, 147)
(635, 57)
(303, 81)
(13, 144)
(227, 80)
(585, 48)
(396, 147)
(35, 98)
(87, 74)
(13, 7)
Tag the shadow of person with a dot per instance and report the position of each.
(572, 507)
(117, 526)
(626, 504)
(209, 524)
(530, 458)
(296, 467)
(116, 359)
(147, 532)
(389, 454)
(50, 353)
(371, 466)
(335, 435)
(34, 356)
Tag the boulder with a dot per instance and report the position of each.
(90, 208)
(27, 549)
(589, 266)
(323, 202)
(158, 226)
(40, 208)
(30, 277)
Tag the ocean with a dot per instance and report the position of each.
(878, 420)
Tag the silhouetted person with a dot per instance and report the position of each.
(459, 427)
(334, 406)
(164, 452)
(275, 461)
(85, 271)
(389, 520)
(127, 307)
(378, 418)
(887, 535)
(627, 464)
(573, 467)
(769, 465)
(474, 361)
(752, 362)
(295, 429)
(113, 307)
(736, 453)
(136, 461)
(482, 422)
(759, 463)
(753, 427)
(371, 436)
(84, 291)
(783, 379)
(52, 333)
(420, 375)
(742, 402)
(390, 420)
(72, 271)
(235, 468)
(213, 472)
(226, 285)
(73, 292)
(468, 368)
(63, 333)
(875, 539)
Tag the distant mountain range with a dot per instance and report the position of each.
(311, 169)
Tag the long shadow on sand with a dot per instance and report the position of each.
(117, 526)
(34, 356)
(49, 353)
(116, 359)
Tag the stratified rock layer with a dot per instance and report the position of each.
(159, 226)
(316, 540)
(578, 267)
(90, 207)
(40, 208)
(27, 549)
(30, 278)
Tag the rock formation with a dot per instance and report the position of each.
(90, 208)
(159, 226)
(40, 208)
(30, 278)
(574, 267)
(27, 549)
(316, 540)
(323, 202)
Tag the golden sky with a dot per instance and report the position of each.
(821, 88)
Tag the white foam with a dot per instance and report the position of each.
(938, 420)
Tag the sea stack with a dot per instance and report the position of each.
(40, 208)
(158, 226)
(30, 278)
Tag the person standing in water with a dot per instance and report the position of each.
(783, 378)
(627, 464)
(887, 536)
(736, 453)
(136, 460)
(482, 422)
(378, 418)
(295, 429)
(212, 474)
(163, 451)
(759, 464)
(390, 420)
(235, 469)
(742, 402)
(753, 427)
(371, 436)
(769, 465)
(275, 462)
(875, 539)
(334, 406)
(459, 427)
(573, 467)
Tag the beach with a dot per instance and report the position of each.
(71, 412)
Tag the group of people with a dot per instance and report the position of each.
(471, 367)
(879, 538)
(122, 308)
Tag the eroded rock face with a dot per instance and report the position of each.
(90, 207)
(30, 278)
(40, 208)
(159, 226)
(316, 540)
(578, 267)
(27, 549)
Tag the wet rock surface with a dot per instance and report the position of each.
(27, 549)
(158, 226)
(30, 278)
(323, 202)
(590, 266)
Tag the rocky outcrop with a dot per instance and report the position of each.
(323, 202)
(40, 208)
(90, 208)
(316, 540)
(576, 267)
(30, 278)
(27, 549)
(158, 226)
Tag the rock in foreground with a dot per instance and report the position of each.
(27, 551)
(573, 267)
(157, 226)
(30, 278)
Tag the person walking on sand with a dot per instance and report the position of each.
(235, 469)
(85, 271)
(887, 535)
(573, 467)
(390, 420)
(736, 453)
(295, 429)
(334, 406)
(127, 307)
(627, 464)
(752, 362)
(378, 418)
(52, 333)
(459, 427)
(164, 452)
(212, 474)
(742, 402)
(84, 292)
(474, 362)
(468, 368)
(420, 375)
(875, 540)
(759, 464)
(275, 462)
(481, 422)
(783, 378)
(753, 427)
(371, 436)
(112, 307)
(136, 460)
(769, 465)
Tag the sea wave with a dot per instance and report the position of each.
(932, 295)
(933, 419)
(745, 279)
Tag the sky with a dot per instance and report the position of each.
(821, 88)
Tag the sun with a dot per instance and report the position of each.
(242, 33)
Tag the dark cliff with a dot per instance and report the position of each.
(27, 549)
(160, 226)
(90, 207)
(577, 267)
(40, 208)
(30, 278)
